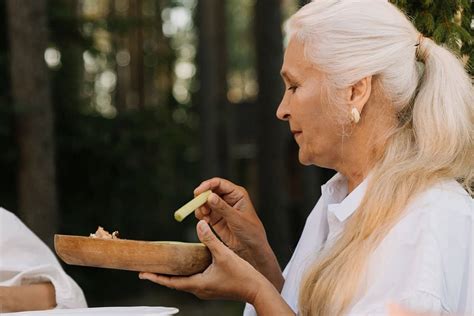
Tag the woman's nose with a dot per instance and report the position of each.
(283, 112)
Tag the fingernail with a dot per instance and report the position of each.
(202, 226)
(140, 276)
(213, 199)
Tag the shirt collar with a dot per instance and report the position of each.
(336, 188)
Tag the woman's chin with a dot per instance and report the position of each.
(312, 160)
(304, 159)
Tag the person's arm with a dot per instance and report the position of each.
(232, 215)
(267, 264)
(228, 277)
(268, 302)
(40, 296)
(29, 260)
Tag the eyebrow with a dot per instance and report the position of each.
(287, 75)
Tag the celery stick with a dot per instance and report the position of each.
(189, 207)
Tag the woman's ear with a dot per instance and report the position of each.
(359, 93)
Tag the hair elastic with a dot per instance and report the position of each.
(420, 53)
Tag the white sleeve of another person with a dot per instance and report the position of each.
(25, 259)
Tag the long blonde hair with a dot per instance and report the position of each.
(352, 39)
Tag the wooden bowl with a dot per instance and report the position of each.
(172, 258)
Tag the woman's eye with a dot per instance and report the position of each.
(293, 88)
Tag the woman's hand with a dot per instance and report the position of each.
(231, 214)
(228, 277)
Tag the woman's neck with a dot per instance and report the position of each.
(365, 145)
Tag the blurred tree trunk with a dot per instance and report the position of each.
(271, 139)
(122, 90)
(28, 35)
(8, 161)
(67, 81)
(212, 99)
(121, 48)
(136, 55)
(163, 73)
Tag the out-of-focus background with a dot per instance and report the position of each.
(113, 111)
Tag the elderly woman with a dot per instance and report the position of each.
(392, 112)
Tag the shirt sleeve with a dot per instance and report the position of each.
(26, 259)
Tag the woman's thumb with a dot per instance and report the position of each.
(208, 238)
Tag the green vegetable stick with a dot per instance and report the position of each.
(189, 207)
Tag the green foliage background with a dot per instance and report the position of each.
(447, 22)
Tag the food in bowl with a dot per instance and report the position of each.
(103, 234)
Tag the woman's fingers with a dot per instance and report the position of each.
(220, 207)
(194, 282)
(221, 186)
(228, 276)
(173, 282)
(204, 210)
(201, 212)
(215, 210)
(226, 189)
(205, 214)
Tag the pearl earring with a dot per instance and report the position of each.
(355, 116)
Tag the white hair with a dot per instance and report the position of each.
(349, 40)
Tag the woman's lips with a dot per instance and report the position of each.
(296, 133)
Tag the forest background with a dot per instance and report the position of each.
(113, 111)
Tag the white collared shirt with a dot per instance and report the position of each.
(25, 259)
(425, 263)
